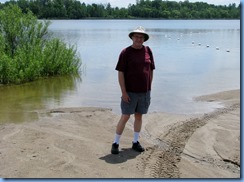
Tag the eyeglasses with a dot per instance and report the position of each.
(138, 36)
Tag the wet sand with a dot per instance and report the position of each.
(76, 143)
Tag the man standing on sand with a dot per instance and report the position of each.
(135, 74)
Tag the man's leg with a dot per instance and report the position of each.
(138, 122)
(137, 129)
(121, 124)
(137, 126)
(119, 130)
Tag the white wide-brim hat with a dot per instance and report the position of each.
(140, 30)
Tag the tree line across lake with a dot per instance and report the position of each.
(162, 9)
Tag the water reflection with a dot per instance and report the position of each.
(19, 103)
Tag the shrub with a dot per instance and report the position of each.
(27, 52)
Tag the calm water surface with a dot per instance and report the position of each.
(192, 57)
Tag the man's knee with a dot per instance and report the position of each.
(138, 117)
(125, 117)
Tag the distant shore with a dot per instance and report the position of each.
(76, 143)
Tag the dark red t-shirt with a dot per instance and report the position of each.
(137, 66)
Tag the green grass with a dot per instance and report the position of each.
(27, 51)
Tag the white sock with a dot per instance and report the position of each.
(117, 138)
(136, 137)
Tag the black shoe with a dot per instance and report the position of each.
(137, 147)
(115, 148)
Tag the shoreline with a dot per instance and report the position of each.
(75, 141)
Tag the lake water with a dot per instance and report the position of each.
(192, 57)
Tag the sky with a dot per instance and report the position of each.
(125, 3)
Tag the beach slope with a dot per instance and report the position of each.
(76, 143)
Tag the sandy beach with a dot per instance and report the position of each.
(76, 143)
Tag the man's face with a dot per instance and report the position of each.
(138, 39)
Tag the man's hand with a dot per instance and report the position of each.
(125, 97)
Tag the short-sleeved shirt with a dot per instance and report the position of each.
(137, 66)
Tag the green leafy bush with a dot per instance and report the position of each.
(27, 52)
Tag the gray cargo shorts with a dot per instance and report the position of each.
(139, 103)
